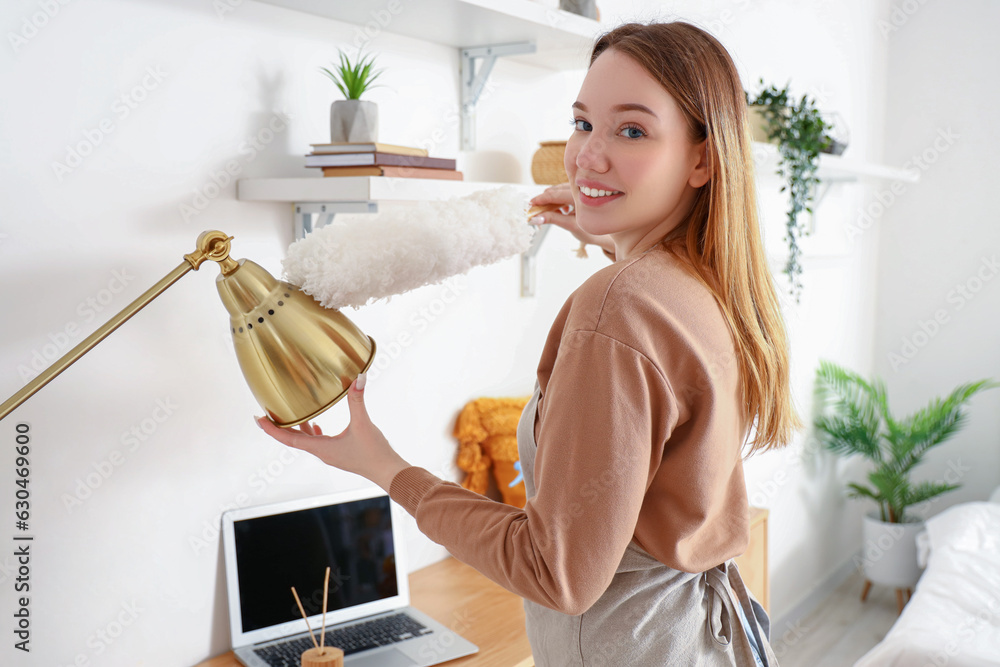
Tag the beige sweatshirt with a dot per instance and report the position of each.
(639, 434)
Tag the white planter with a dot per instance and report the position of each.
(889, 552)
(354, 121)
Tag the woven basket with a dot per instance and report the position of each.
(547, 163)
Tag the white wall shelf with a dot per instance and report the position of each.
(482, 31)
(362, 188)
(834, 168)
(562, 39)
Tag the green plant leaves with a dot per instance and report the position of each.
(861, 424)
(353, 80)
(801, 134)
(855, 427)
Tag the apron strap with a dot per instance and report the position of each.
(725, 580)
(736, 582)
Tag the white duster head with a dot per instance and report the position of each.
(396, 251)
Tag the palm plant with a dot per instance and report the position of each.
(862, 425)
(353, 79)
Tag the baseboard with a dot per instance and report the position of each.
(788, 621)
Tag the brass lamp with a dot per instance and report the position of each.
(298, 357)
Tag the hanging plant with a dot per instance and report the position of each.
(801, 134)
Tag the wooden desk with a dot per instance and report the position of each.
(468, 603)
(492, 618)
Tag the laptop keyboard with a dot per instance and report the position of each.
(359, 637)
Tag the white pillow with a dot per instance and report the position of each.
(972, 527)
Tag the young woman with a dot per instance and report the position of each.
(651, 379)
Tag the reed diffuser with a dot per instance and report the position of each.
(320, 655)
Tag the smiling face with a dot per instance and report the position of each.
(633, 169)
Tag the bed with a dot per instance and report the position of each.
(953, 618)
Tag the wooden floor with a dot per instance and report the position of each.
(840, 630)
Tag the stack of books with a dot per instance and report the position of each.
(377, 159)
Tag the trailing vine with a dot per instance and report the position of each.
(801, 134)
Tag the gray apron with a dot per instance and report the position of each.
(650, 615)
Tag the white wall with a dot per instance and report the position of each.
(938, 300)
(147, 534)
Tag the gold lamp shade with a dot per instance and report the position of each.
(297, 357)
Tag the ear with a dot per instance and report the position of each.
(702, 172)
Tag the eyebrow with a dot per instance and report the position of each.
(631, 106)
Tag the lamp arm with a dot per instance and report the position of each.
(211, 245)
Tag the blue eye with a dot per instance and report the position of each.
(633, 131)
(581, 125)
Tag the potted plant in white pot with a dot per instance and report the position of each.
(353, 119)
(861, 424)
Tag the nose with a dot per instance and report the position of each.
(593, 154)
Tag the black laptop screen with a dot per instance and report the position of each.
(274, 553)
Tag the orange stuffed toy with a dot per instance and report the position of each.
(487, 435)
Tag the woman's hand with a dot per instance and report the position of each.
(360, 448)
(565, 217)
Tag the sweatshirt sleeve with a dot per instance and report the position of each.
(605, 414)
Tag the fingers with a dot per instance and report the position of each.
(298, 439)
(305, 437)
(286, 436)
(539, 209)
(310, 429)
(356, 401)
(567, 222)
(557, 194)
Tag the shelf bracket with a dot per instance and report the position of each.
(310, 216)
(473, 81)
(528, 258)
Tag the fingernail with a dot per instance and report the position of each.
(566, 210)
(359, 384)
(256, 420)
(537, 220)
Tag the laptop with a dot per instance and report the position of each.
(358, 534)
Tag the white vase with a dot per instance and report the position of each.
(355, 121)
(889, 552)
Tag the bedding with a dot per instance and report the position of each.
(953, 618)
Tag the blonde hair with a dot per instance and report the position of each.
(720, 241)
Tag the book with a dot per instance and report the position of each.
(355, 147)
(397, 172)
(378, 159)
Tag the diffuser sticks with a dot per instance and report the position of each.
(320, 655)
